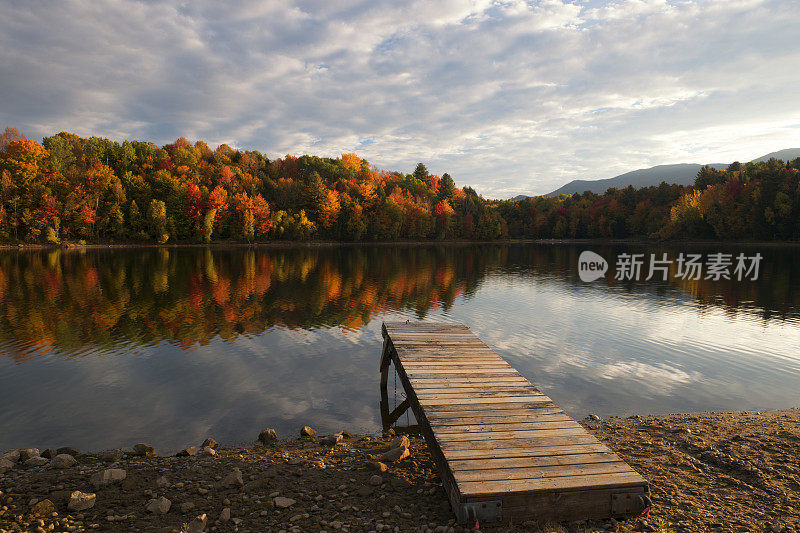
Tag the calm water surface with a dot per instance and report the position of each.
(106, 348)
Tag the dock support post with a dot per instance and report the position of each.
(388, 418)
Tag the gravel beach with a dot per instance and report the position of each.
(725, 472)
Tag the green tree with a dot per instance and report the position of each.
(157, 219)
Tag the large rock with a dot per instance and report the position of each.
(208, 451)
(43, 508)
(5, 465)
(234, 479)
(395, 454)
(80, 501)
(375, 480)
(188, 451)
(49, 453)
(267, 436)
(63, 460)
(158, 506)
(11, 455)
(306, 431)
(198, 525)
(331, 440)
(27, 453)
(225, 515)
(282, 502)
(36, 461)
(108, 476)
(211, 443)
(112, 455)
(69, 450)
(144, 450)
(377, 465)
(400, 442)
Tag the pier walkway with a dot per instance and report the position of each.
(503, 449)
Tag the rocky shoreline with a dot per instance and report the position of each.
(726, 472)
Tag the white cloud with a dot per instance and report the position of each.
(509, 97)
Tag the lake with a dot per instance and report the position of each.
(103, 348)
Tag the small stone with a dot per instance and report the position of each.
(63, 460)
(43, 508)
(331, 440)
(234, 479)
(210, 443)
(594, 417)
(36, 461)
(162, 482)
(49, 453)
(112, 455)
(225, 515)
(267, 436)
(159, 506)
(365, 491)
(198, 525)
(144, 450)
(69, 450)
(377, 465)
(306, 431)
(375, 480)
(401, 441)
(283, 502)
(208, 451)
(108, 476)
(187, 452)
(80, 501)
(187, 506)
(27, 453)
(395, 454)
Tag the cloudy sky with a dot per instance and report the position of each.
(510, 97)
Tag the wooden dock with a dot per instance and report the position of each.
(503, 449)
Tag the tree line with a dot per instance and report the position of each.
(73, 189)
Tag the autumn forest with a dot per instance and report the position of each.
(73, 189)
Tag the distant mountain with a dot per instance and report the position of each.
(784, 155)
(682, 174)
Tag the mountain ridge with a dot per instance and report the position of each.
(681, 173)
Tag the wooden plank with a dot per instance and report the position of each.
(498, 444)
(542, 472)
(583, 504)
(526, 451)
(492, 407)
(597, 481)
(449, 380)
(503, 435)
(503, 428)
(472, 388)
(456, 364)
(495, 401)
(484, 463)
(481, 417)
(475, 372)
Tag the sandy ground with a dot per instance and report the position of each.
(708, 472)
